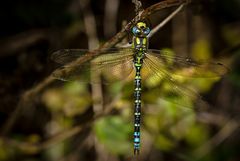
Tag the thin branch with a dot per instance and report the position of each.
(31, 94)
(90, 24)
(26, 100)
(228, 129)
(138, 6)
(165, 21)
(110, 17)
(33, 147)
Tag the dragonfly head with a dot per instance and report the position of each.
(140, 30)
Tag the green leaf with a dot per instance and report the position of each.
(114, 133)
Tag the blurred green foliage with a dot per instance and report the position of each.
(114, 132)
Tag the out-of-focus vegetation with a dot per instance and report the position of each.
(78, 121)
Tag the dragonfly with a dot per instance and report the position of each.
(137, 63)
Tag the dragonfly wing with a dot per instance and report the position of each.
(171, 90)
(65, 56)
(187, 67)
(113, 65)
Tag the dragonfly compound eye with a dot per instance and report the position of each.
(146, 31)
(135, 31)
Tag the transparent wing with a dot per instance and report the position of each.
(187, 67)
(112, 65)
(161, 66)
(170, 90)
(65, 56)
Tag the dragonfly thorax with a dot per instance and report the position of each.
(140, 43)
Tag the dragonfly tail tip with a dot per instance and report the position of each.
(136, 151)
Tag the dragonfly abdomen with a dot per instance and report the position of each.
(137, 111)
